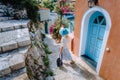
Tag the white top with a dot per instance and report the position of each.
(65, 41)
(66, 55)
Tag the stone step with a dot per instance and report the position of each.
(16, 75)
(14, 39)
(5, 18)
(21, 77)
(13, 60)
(13, 24)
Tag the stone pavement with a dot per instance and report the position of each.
(78, 71)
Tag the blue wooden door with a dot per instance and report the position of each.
(96, 30)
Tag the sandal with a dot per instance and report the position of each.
(72, 62)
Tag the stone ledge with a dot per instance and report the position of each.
(9, 46)
(8, 55)
(7, 29)
(24, 41)
(12, 61)
(4, 67)
(16, 75)
(14, 39)
(17, 62)
(13, 25)
(22, 77)
(5, 18)
(13, 35)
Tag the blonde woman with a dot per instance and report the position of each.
(64, 51)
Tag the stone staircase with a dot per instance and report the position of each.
(14, 44)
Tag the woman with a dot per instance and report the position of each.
(64, 51)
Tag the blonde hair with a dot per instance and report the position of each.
(66, 36)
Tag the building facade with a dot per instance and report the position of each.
(96, 35)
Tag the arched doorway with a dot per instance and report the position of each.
(96, 30)
(89, 17)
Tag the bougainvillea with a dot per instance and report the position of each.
(62, 8)
(51, 28)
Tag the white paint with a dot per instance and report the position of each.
(84, 30)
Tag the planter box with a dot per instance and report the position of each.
(44, 14)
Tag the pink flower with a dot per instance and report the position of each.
(64, 11)
(59, 2)
(51, 29)
(64, 0)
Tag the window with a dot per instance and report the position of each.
(99, 20)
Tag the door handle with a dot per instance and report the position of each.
(99, 39)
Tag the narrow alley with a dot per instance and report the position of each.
(78, 71)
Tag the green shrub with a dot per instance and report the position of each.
(36, 43)
(46, 61)
(48, 4)
(43, 36)
(48, 72)
(51, 73)
(45, 45)
(47, 51)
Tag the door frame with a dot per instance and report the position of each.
(84, 31)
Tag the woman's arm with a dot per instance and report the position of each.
(61, 50)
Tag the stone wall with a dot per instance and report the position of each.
(34, 64)
(36, 68)
(19, 59)
(7, 12)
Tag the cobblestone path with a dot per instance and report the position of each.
(78, 71)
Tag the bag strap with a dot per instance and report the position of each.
(60, 56)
